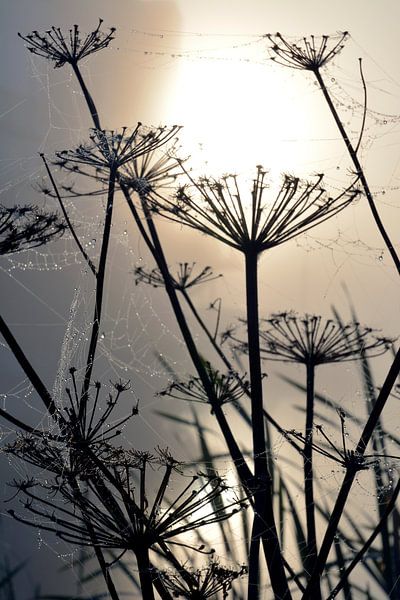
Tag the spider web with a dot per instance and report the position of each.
(136, 329)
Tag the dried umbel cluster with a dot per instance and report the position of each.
(343, 456)
(122, 514)
(114, 149)
(71, 47)
(229, 387)
(186, 277)
(26, 227)
(314, 340)
(309, 54)
(217, 208)
(202, 583)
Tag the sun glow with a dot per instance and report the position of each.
(238, 115)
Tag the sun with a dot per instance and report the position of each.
(236, 115)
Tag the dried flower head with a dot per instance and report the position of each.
(200, 584)
(153, 173)
(215, 207)
(310, 54)
(70, 48)
(26, 227)
(121, 514)
(228, 387)
(185, 277)
(88, 423)
(113, 149)
(313, 340)
(348, 459)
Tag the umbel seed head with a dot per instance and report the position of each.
(314, 340)
(309, 54)
(71, 47)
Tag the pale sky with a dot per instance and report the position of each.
(204, 65)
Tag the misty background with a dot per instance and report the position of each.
(203, 65)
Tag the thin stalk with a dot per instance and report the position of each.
(66, 217)
(312, 552)
(28, 369)
(89, 100)
(104, 569)
(264, 523)
(242, 468)
(97, 548)
(350, 475)
(230, 368)
(344, 577)
(99, 289)
(359, 170)
(145, 575)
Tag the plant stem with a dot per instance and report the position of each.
(28, 369)
(145, 576)
(66, 217)
(350, 475)
(242, 468)
(359, 170)
(311, 554)
(344, 577)
(99, 290)
(89, 100)
(264, 524)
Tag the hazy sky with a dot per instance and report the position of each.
(202, 64)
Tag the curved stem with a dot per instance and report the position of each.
(66, 217)
(359, 170)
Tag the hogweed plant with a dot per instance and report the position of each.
(311, 341)
(312, 54)
(91, 487)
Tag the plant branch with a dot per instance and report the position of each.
(350, 475)
(66, 217)
(359, 170)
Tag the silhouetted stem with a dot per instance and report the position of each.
(230, 367)
(242, 468)
(350, 475)
(145, 575)
(309, 478)
(67, 219)
(18, 423)
(99, 289)
(89, 100)
(103, 565)
(344, 577)
(359, 170)
(28, 369)
(264, 523)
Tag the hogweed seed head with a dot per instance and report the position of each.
(154, 173)
(309, 54)
(228, 387)
(200, 584)
(61, 48)
(185, 278)
(113, 149)
(313, 340)
(216, 207)
(27, 227)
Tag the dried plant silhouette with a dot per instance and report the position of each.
(92, 489)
